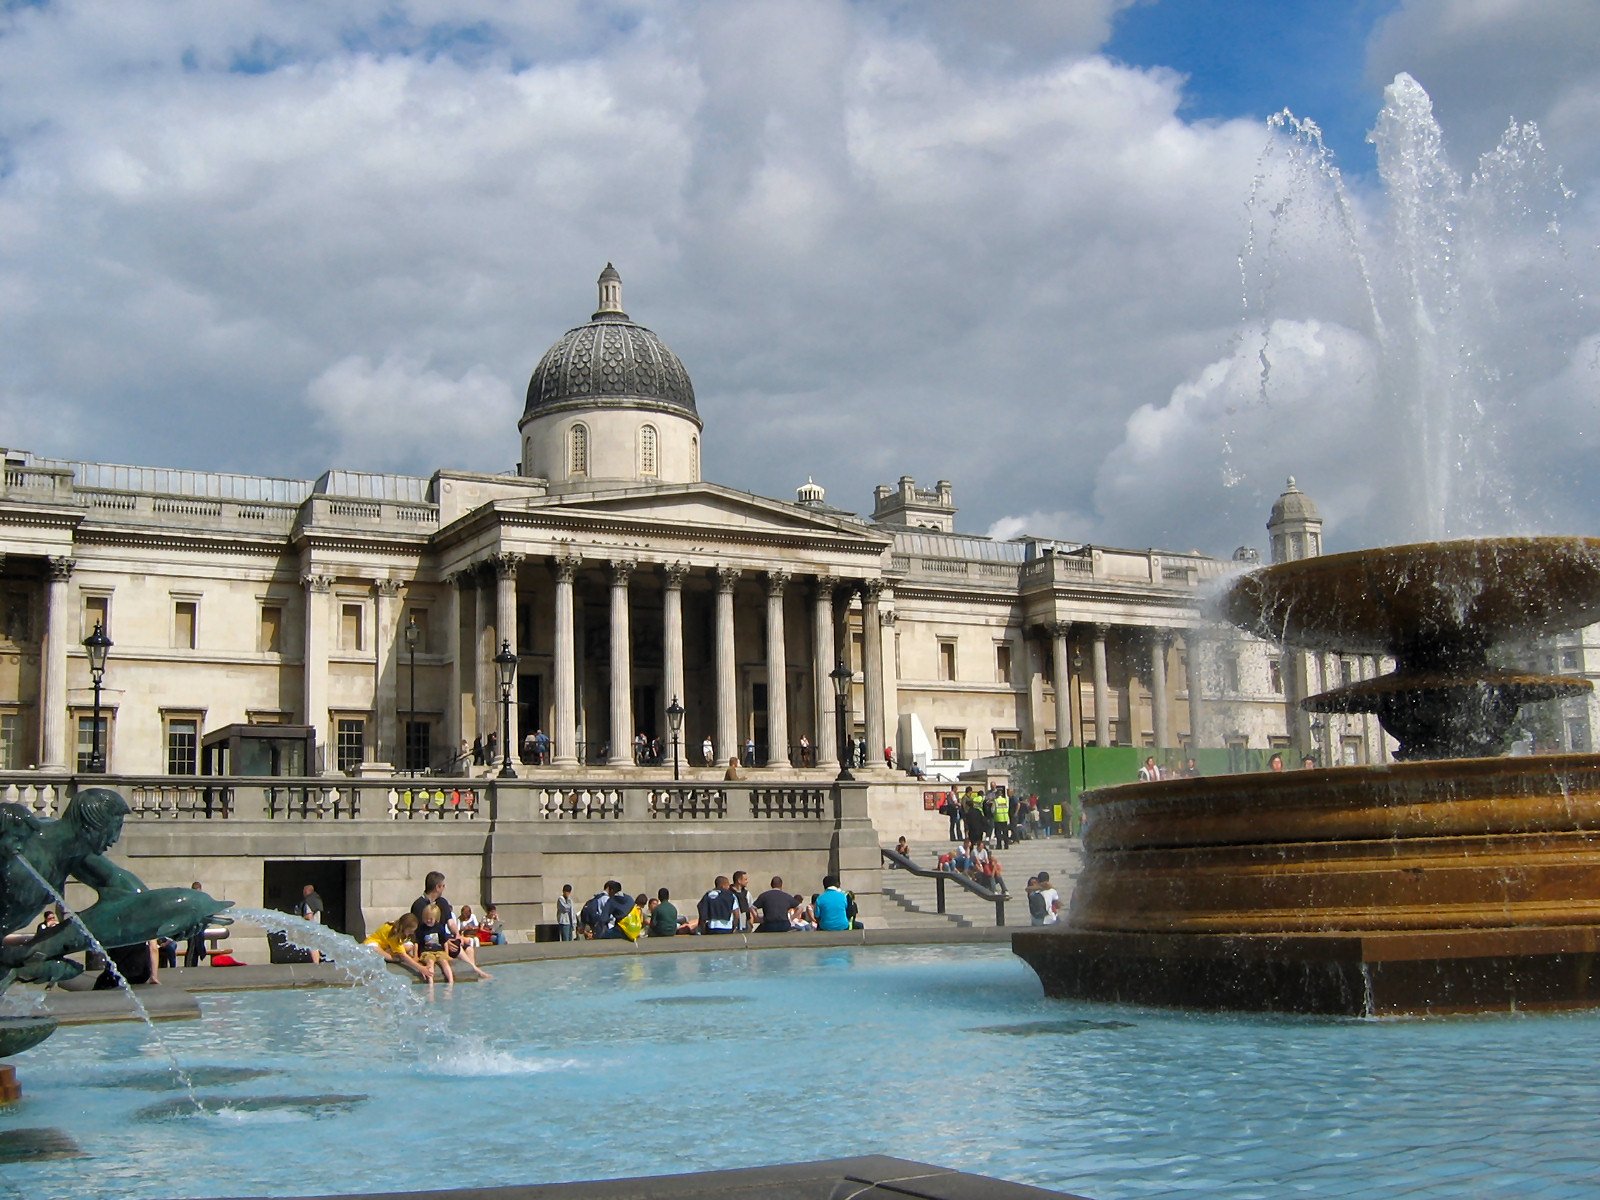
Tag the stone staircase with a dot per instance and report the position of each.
(911, 901)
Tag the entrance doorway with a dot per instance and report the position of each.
(338, 882)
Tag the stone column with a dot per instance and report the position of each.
(485, 686)
(727, 739)
(777, 674)
(1194, 675)
(454, 727)
(315, 690)
(1160, 725)
(505, 630)
(621, 667)
(1102, 715)
(672, 640)
(872, 670)
(565, 735)
(53, 677)
(1058, 665)
(386, 641)
(891, 681)
(827, 721)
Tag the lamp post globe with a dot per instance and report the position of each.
(675, 720)
(97, 645)
(506, 664)
(841, 676)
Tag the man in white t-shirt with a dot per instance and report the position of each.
(1052, 898)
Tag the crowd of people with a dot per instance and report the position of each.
(726, 907)
(992, 818)
(433, 940)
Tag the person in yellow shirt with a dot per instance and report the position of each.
(396, 941)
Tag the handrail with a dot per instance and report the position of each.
(998, 899)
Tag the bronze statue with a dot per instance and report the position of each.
(73, 846)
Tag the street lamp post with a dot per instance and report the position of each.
(506, 663)
(413, 636)
(675, 720)
(841, 676)
(97, 645)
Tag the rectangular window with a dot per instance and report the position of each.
(350, 627)
(1002, 663)
(1007, 741)
(350, 736)
(1278, 742)
(270, 639)
(858, 653)
(183, 745)
(947, 660)
(1353, 751)
(10, 741)
(951, 742)
(86, 740)
(419, 745)
(1275, 676)
(1569, 660)
(96, 611)
(1347, 671)
(1230, 673)
(185, 617)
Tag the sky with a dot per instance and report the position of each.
(1054, 253)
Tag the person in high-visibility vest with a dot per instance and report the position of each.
(1002, 819)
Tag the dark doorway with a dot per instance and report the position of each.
(337, 881)
(530, 711)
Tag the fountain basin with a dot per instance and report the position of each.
(1426, 886)
(21, 1032)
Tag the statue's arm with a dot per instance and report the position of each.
(104, 876)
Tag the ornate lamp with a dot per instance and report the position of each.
(841, 676)
(506, 664)
(675, 720)
(97, 645)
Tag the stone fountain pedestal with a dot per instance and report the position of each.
(1448, 882)
(1423, 887)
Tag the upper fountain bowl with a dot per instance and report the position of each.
(1409, 600)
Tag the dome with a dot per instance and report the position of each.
(1294, 505)
(611, 361)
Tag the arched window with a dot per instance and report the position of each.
(694, 458)
(647, 451)
(578, 452)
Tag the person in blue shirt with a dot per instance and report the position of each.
(832, 905)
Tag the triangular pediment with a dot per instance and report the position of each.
(703, 506)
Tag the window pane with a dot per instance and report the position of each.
(86, 741)
(183, 743)
(419, 748)
(10, 741)
(351, 734)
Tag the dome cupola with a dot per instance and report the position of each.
(609, 401)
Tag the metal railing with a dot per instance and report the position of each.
(895, 859)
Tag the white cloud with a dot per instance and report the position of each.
(885, 239)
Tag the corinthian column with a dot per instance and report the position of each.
(566, 674)
(1102, 716)
(53, 689)
(1158, 689)
(777, 674)
(1193, 675)
(823, 653)
(727, 679)
(621, 667)
(672, 637)
(386, 593)
(315, 671)
(1058, 663)
(872, 669)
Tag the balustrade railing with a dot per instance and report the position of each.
(191, 798)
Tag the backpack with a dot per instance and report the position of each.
(593, 912)
(632, 924)
(1037, 906)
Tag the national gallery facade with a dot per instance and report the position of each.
(368, 610)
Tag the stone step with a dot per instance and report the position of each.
(913, 899)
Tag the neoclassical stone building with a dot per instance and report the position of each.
(369, 608)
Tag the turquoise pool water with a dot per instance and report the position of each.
(610, 1067)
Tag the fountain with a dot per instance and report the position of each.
(1452, 880)
(37, 856)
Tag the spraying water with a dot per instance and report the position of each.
(1460, 287)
